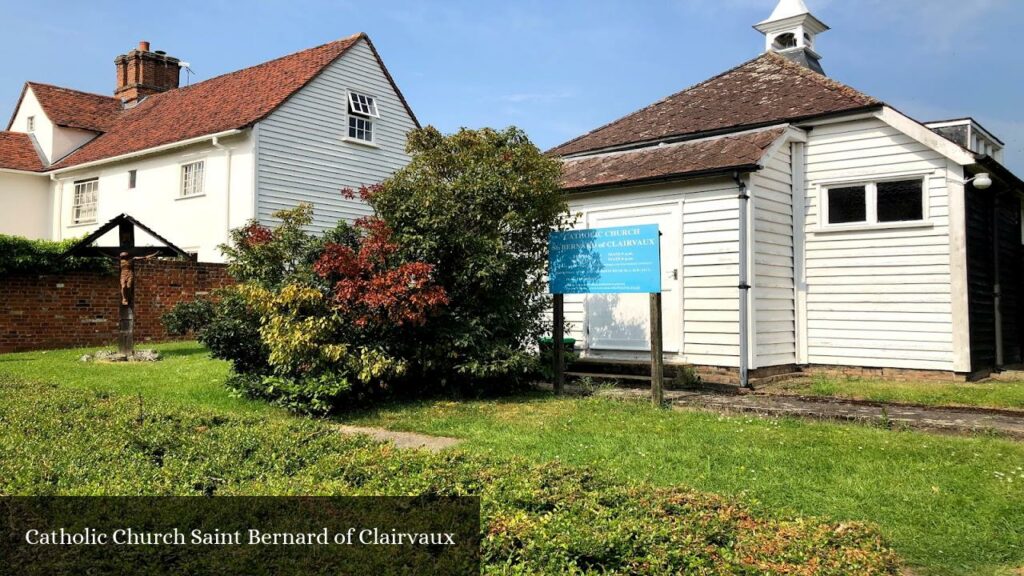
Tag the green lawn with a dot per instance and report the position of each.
(949, 505)
(186, 376)
(991, 394)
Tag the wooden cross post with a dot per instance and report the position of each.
(657, 359)
(126, 323)
(558, 337)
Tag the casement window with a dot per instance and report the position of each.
(132, 176)
(30, 124)
(362, 109)
(873, 203)
(192, 176)
(83, 209)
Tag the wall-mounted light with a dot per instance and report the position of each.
(982, 181)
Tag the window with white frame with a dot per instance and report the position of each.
(361, 111)
(192, 178)
(30, 124)
(881, 202)
(83, 208)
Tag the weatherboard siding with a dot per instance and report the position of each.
(302, 152)
(773, 288)
(880, 297)
(709, 267)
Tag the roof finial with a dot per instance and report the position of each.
(791, 30)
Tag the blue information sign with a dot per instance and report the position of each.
(619, 260)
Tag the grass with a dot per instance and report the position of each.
(185, 377)
(949, 505)
(992, 394)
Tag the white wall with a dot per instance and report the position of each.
(54, 141)
(879, 297)
(302, 151)
(773, 295)
(196, 224)
(25, 205)
(709, 265)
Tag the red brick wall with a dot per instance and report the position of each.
(74, 309)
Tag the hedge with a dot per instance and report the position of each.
(536, 519)
(20, 255)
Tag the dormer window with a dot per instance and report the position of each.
(30, 124)
(362, 109)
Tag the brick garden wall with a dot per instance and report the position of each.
(74, 309)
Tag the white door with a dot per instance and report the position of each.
(622, 321)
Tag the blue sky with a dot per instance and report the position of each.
(556, 69)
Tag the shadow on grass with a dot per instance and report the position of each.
(375, 409)
(185, 351)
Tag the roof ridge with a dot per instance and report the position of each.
(821, 79)
(656, 102)
(352, 38)
(85, 92)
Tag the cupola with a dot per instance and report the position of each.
(791, 31)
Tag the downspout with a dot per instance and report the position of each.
(744, 284)
(227, 193)
(996, 289)
(57, 227)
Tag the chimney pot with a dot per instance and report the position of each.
(143, 46)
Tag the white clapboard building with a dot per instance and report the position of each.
(194, 161)
(804, 224)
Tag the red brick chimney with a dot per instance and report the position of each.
(141, 73)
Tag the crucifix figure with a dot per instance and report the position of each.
(126, 253)
(127, 265)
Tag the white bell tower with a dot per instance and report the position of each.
(791, 30)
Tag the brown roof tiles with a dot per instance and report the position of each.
(75, 109)
(717, 154)
(766, 90)
(18, 153)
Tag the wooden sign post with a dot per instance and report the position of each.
(657, 356)
(614, 260)
(558, 338)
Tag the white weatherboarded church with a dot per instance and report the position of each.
(805, 224)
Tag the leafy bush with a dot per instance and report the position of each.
(188, 317)
(333, 323)
(23, 256)
(536, 519)
(478, 205)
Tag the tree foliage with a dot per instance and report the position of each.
(20, 255)
(478, 205)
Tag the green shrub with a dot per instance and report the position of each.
(23, 256)
(233, 334)
(536, 519)
(478, 205)
(189, 317)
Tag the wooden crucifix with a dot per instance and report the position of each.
(126, 253)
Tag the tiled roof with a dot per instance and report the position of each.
(74, 109)
(766, 90)
(18, 153)
(235, 100)
(707, 155)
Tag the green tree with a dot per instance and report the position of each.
(478, 205)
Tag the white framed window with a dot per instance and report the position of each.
(362, 104)
(874, 203)
(360, 128)
(192, 177)
(132, 177)
(83, 208)
(30, 124)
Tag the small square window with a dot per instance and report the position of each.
(362, 104)
(848, 204)
(360, 128)
(30, 124)
(132, 174)
(192, 178)
(900, 201)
